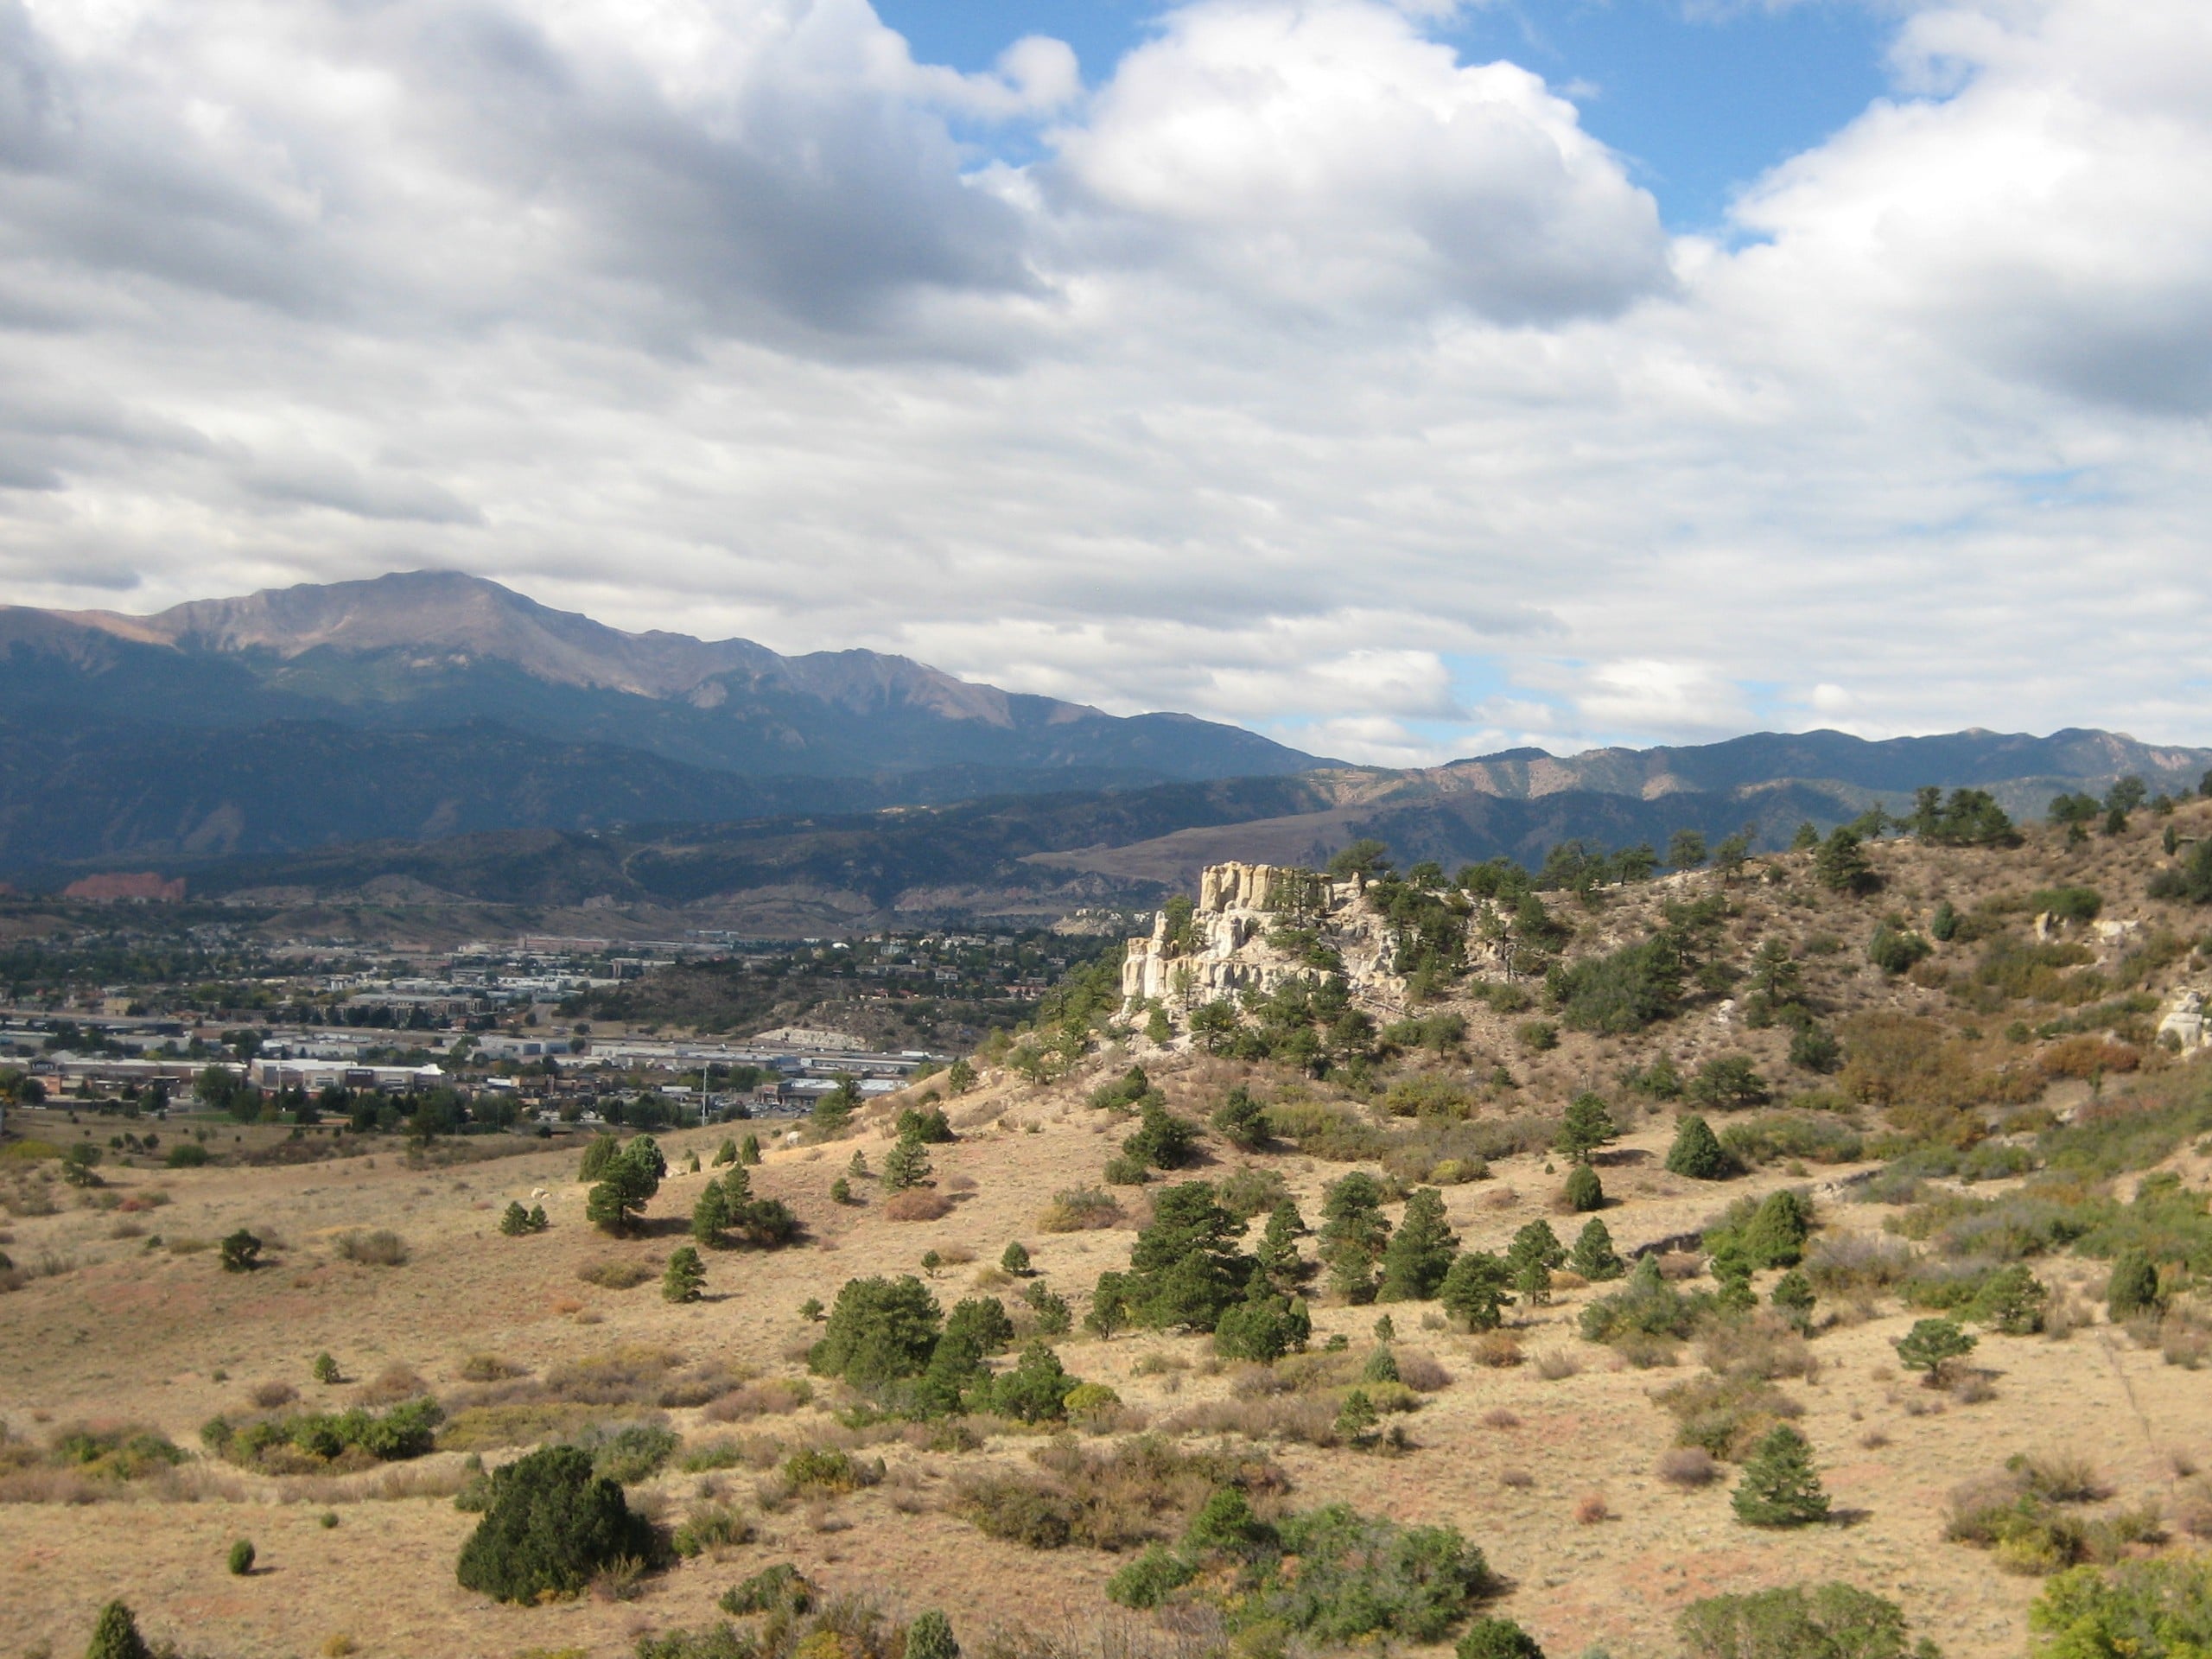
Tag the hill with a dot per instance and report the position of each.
(1997, 1122)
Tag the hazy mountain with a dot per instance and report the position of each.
(428, 650)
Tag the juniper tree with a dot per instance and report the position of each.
(1584, 1191)
(1793, 1294)
(1593, 1256)
(748, 1150)
(685, 1280)
(2133, 1287)
(1931, 1346)
(1697, 1152)
(1016, 1259)
(1420, 1253)
(115, 1635)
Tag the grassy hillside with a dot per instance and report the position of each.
(1995, 1128)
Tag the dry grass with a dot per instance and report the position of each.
(917, 1204)
(618, 1273)
(379, 1248)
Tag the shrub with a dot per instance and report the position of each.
(615, 1275)
(240, 1559)
(1079, 1209)
(917, 1204)
(326, 1369)
(380, 1249)
(1815, 1138)
(551, 1524)
(1150, 1580)
(1016, 1260)
(779, 1589)
(1497, 1639)
(1831, 1621)
(1646, 1307)
(930, 1636)
(241, 1252)
(1895, 948)
(1780, 1487)
(1241, 1120)
(2147, 1610)
(1697, 1153)
(1688, 1466)
(711, 1526)
(1728, 1082)
(2133, 1286)
(627, 1453)
(185, 1154)
(1583, 1191)
(1771, 1234)
(927, 1125)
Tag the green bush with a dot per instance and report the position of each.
(1831, 1621)
(240, 1252)
(551, 1524)
(1584, 1191)
(185, 1154)
(1497, 1639)
(2144, 1609)
(1768, 1234)
(779, 1589)
(930, 1636)
(1813, 1137)
(1150, 1580)
(879, 1331)
(1932, 1344)
(1647, 1306)
(1895, 948)
(240, 1559)
(2133, 1287)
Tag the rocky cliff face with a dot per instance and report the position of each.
(1225, 949)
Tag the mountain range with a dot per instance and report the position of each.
(443, 731)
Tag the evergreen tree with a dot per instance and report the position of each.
(1584, 1191)
(1277, 1252)
(748, 1150)
(1931, 1346)
(1593, 1256)
(1780, 1487)
(1535, 1250)
(1686, 851)
(1420, 1253)
(1477, 1290)
(1697, 1152)
(1356, 1421)
(1162, 1140)
(1016, 1260)
(710, 1214)
(1353, 1235)
(1498, 1638)
(1586, 1127)
(1184, 1269)
(600, 1151)
(907, 1164)
(1241, 1120)
(880, 1330)
(1840, 865)
(626, 1185)
(116, 1636)
(550, 1524)
(515, 1221)
(1264, 1327)
(685, 1279)
(726, 1154)
(858, 1168)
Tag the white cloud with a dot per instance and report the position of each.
(1307, 360)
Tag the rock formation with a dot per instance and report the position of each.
(1224, 949)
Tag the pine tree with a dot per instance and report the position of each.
(1697, 1152)
(1931, 1346)
(1242, 1120)
(1356, 1419)
(1840, 865)
(710, 1214)
(858, 1168)
(1586, 1127)
(1016, 1259)
(515, 1222)
(1420, 1253)
(1476, 1290)
(1780, 1487)
(1278, 1250)
(1593, 1256)
(906, 1165)
(685, 1280)
(1353, 1235)
(748, 1150)
(726, 1154)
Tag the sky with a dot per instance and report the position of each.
(1402, 378)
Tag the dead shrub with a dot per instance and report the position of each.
(772, 1398)
(1556, 1364)
(1141, 1491)
(956, 1255)
(960, 1184)
(633, 1374)
(1080, 1209)
(1972, 1388)
(1298, 1420)
(1847, 1262)
(1499, 1417)
(917, 1204)
(1421, 1372)
(1763, 1345)
(267, 1397)
(2192, 1508)
(1688, 1466)
(1591, 1509)
(1495, 1348)
(1519, 1479)
(2086, 1057)
(1677, 1265)
(488, 1368)
(396, 1383)
(381, 1248)
(1725, 1415)
(1646, 1350)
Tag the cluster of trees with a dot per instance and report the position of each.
(889, 1339)
(726, 1206)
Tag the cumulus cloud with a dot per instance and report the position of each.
(1288, 363)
